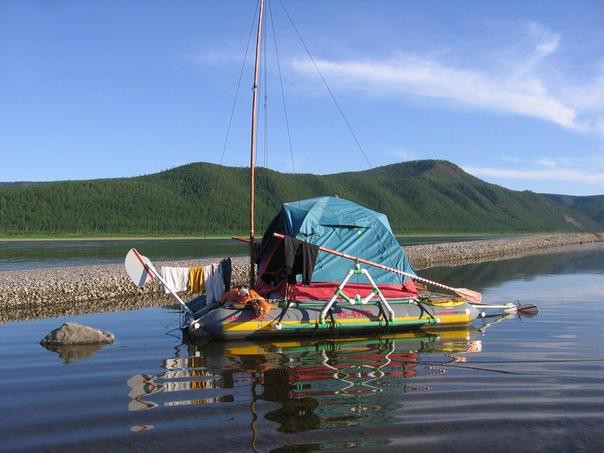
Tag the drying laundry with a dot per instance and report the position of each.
(176, 278)
(213, 282)
(196, 280)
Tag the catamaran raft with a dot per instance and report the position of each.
(325, 266)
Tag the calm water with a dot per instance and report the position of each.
(521, 384)
(36, 254)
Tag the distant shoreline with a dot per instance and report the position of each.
(137, 237)
(67, 291)
(108, 238)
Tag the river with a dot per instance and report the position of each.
(24, 254)
(521, 384)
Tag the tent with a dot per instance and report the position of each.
(340, 225)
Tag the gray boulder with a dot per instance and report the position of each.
(73, 333)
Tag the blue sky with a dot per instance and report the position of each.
(513, 92)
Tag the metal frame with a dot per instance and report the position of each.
(357, 270)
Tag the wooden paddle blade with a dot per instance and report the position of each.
(469, 294)
(528, 309)
(135, 268)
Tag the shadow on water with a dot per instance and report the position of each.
(306, 385)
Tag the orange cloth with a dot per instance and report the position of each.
(196, 280)
(255, 300)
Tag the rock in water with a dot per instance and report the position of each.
(74, 333)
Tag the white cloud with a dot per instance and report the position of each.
(402, 154)
(520, 89)
(593, 162)
(414, 75)
(589, 97)
(511, 159)
(582, 171)
(595, 178)
(547, 162)
(547, 42)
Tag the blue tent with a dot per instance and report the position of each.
(343, 226)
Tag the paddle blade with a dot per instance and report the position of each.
(469, 294)
(528, 309)
(135, 267)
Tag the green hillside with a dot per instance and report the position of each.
(418, 197)
(590, 206)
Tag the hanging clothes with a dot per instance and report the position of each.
(176, 278)
(299, 258)
(207, 272)
(217, 281)
(309, 259)
(196, 280)
(213, 282)
(226, 267)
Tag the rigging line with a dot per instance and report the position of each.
(326, 85)
(247, 48)
(289, 137)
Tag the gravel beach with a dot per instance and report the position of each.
(36, 293)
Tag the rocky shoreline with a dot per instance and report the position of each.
(37, 293)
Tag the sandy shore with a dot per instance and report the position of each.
(34, 293)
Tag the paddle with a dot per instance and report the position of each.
(463, 292)
(140, 270)
(510, 308)
(528, 309)
(468, 294)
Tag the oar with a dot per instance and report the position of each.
(526, 309)
(140, 270)
(468, 294)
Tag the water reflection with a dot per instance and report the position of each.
(584, 259)
(75, 352)
(311, 384)
(60, 253)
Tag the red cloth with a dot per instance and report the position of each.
(325, 290)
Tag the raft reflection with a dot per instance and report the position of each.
(327, 383)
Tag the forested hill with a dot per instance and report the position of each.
(418, 197)
(591, 206)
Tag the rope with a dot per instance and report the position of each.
(249, 39)
(326, 85)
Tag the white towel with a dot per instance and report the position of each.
(176, 278)
(214, 283)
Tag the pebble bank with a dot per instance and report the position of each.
(36, 293)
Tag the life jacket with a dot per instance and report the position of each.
(252, 300)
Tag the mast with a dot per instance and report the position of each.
(253, 141)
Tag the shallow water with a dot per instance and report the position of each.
(522, 384)
(43, 254)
